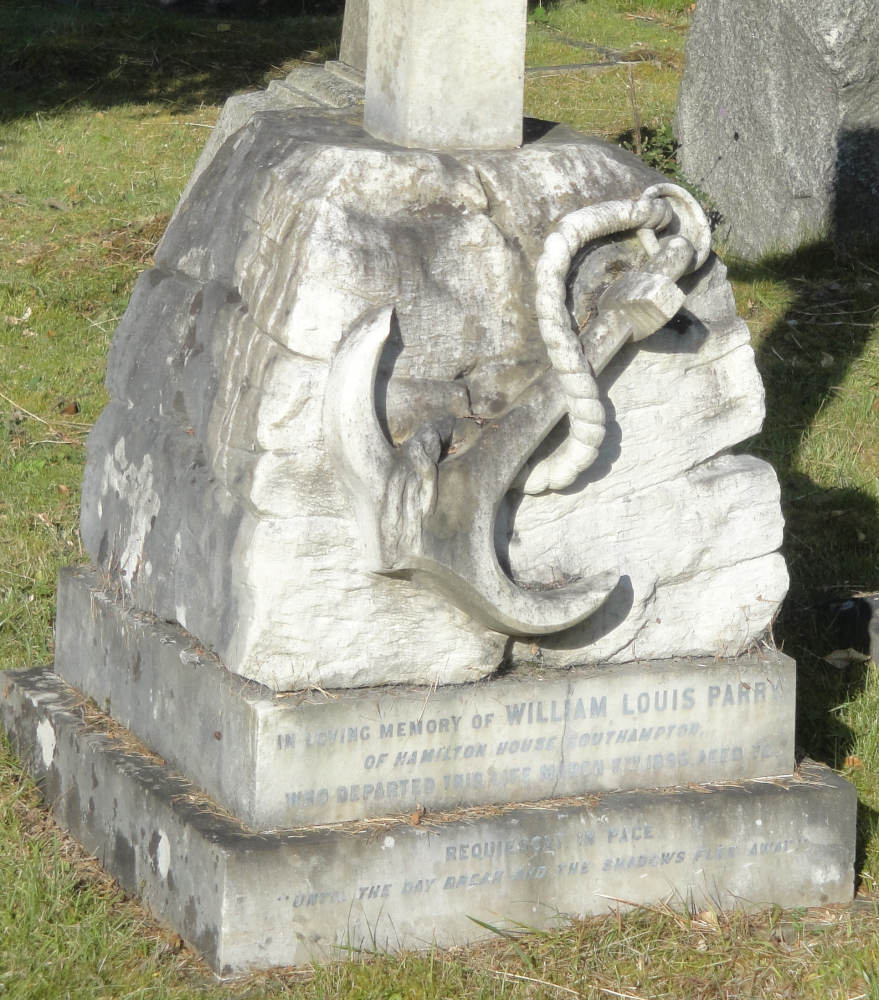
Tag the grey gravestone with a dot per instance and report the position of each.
(778, 120)
(352, 51)
(324, 466)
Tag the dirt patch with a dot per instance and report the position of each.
(135, 242)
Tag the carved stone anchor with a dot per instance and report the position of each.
(430, 516)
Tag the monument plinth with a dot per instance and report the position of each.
(427, 590)
(282, 760)
(248, 900)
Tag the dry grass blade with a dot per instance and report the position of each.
(45, 423)
(615, 993)
(516, 977)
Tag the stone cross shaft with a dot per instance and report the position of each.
(447, 74)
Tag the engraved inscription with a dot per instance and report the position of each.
(602, 848)
(554, 711)
(589, 740)
(415, 727)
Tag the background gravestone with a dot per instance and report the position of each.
(352, 50)
(778, 119)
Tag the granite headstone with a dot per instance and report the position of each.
(778, 120)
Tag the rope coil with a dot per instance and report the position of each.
(650, 212)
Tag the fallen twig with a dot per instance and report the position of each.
(191, 124)
(65, 437)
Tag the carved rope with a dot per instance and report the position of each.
(650, 212)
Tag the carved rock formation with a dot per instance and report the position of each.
(210, 490)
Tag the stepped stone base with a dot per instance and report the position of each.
(247, 900)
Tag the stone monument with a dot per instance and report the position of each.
(426, 591)
(778, 120)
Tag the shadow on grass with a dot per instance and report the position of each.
(832, 532)
(102, 53)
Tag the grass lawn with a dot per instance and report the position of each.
(104, 109)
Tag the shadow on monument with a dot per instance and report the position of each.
(832, 531)
(100, 53)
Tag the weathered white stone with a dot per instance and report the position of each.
(446, 76)
(673, 595)
(432, 518)
(240, 528)
(305, 86)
